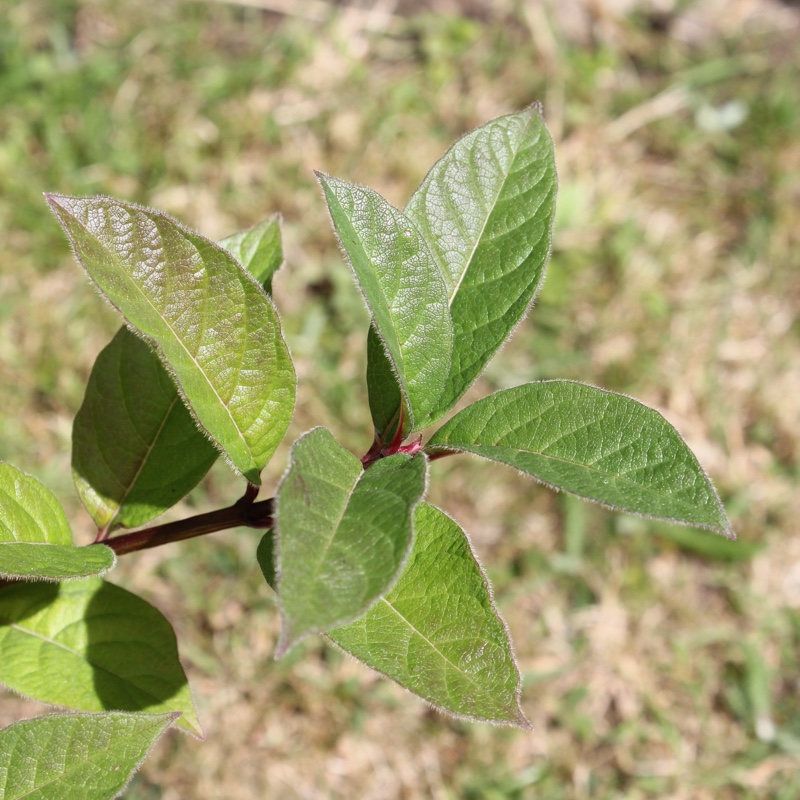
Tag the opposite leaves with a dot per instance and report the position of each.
(485, 212)
(437, 632)
(593, 443)
(343, 532)
(211, 322)
(76, 756)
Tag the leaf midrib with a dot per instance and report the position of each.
(433, 647)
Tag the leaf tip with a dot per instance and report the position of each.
(56, 201)
(287, 640)
(521, 721)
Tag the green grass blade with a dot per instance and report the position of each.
(258, 249)
(53, 562)
(343, 532)
(486, 210)
(91, 646)
(437, 632)
(212, 323)
(403, 288)
(76, 756)
(136, 449)
(599, 445)
(29, 511)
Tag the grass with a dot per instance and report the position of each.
(658, 662)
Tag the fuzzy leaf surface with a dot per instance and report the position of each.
(486, 211)
(597, 444)
(437, 631)
(136, 449)
(403, 287)
(53, 562)
(91, 646)
(343, 532)
(258, 249)
(211, 322)
(29, 511)
(76, 756)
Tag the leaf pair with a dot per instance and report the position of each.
(221, 352)
(448, 279)
(389, 578)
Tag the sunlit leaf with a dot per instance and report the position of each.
(593, 443)
(343, 532)
(437, 632)
(486, 211)
(403, 287)
(76, 756)
(53, 562)
(35, 537)
(29, 511)
(258, 249)
(211, 322)
(91, 646)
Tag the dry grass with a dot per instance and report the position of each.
(652, 668)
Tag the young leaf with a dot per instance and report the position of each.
(593, 443)
(91, 646)
(29, 511)
(437, 632)
(76, 756)
(136, 450)
(403, 287)
(211, 322)
(259, 250)
(343, 532)
(53, 562)
(486, 211)
(385, 399)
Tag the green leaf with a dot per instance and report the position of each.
(136, 449)
(35, 537)
(76, 756)
(384, 392)
(209, 319)
(29, 511)
(91, 646)
(53, 562)
(343, 532)
(593, 443)
(437, 632)
(403, 287)
(259, 250)
(486, 211)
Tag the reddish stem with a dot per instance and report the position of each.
(244, 512)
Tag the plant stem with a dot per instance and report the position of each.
(243, 512)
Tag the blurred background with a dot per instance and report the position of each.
(657, 661)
